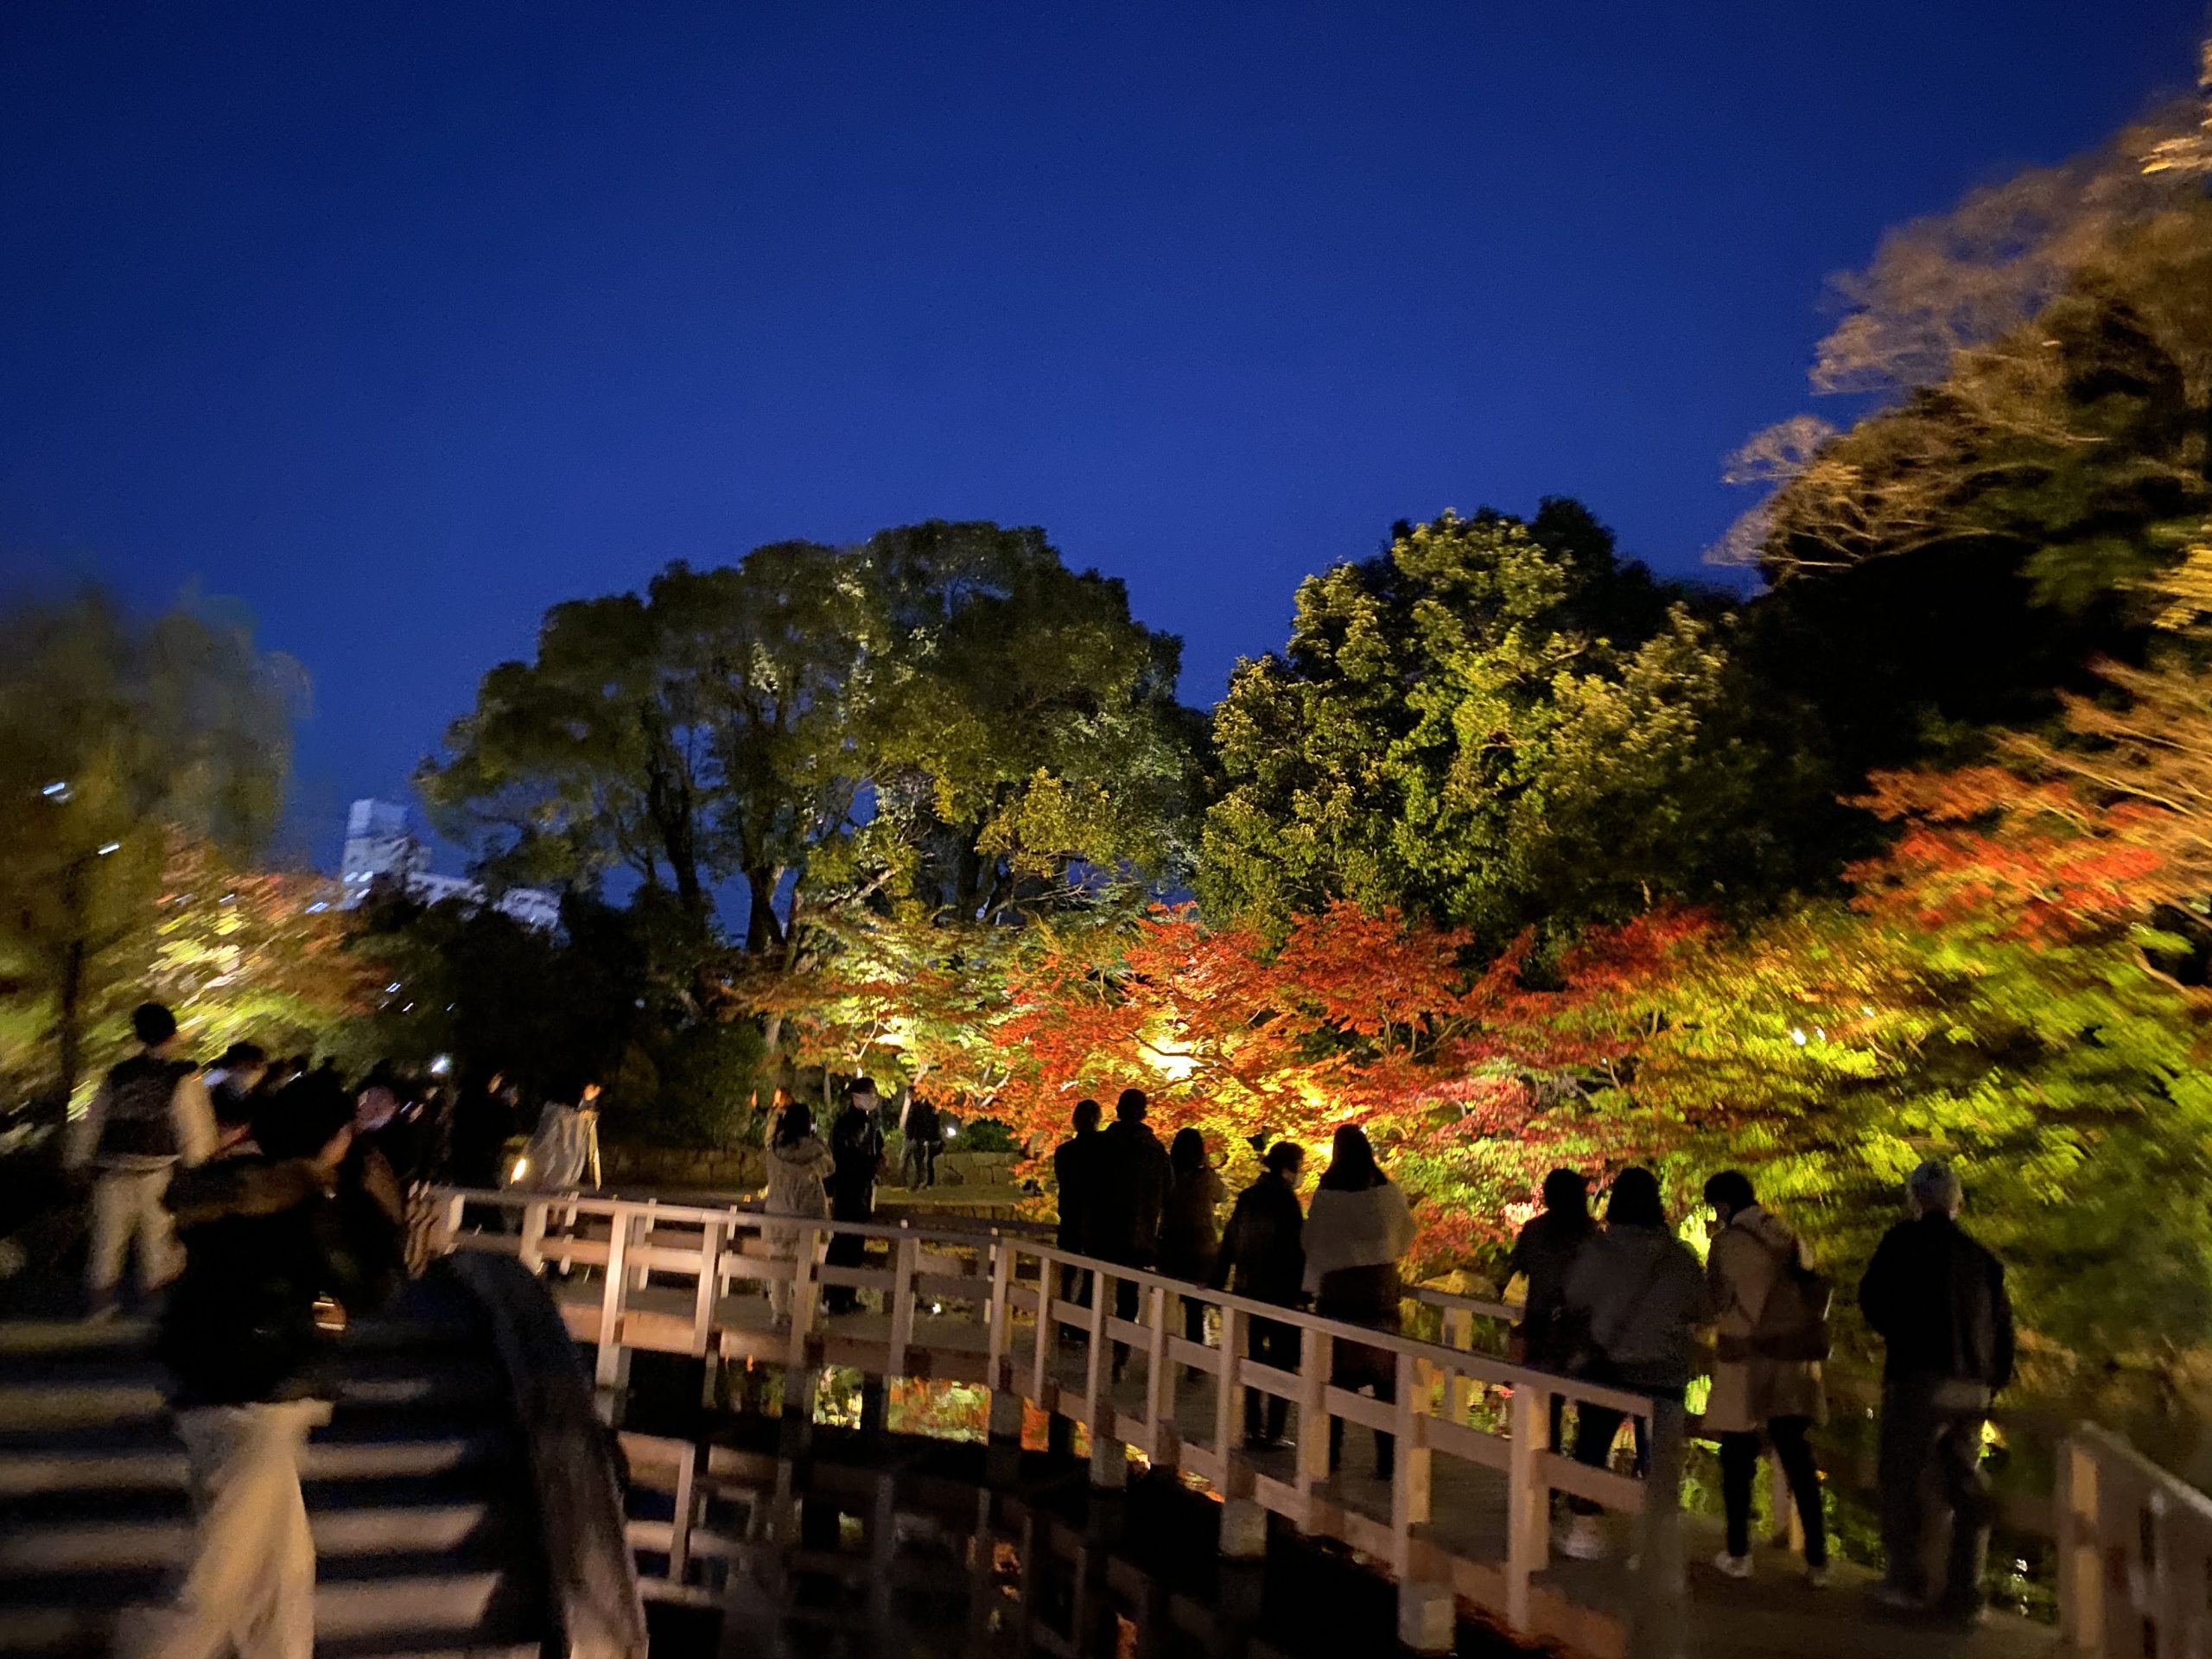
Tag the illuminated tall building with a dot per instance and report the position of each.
(384, 855)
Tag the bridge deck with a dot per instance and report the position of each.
(1772, 1614)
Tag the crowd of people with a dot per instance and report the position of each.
(1623, 1302)
(271, 1197)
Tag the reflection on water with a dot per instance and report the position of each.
(887, 1545)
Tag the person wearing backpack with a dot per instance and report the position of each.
(1633, 1298)
(1770, 1312)
(150, 1117)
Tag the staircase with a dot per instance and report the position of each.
(418, 1491)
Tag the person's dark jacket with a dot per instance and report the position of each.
(1938, 1299)
(856, 1144)
(1124, 1224)
(482, 1125)
(239, 1322)
(1190, 1224)
(1262, 1254)
(1075, 1180)
(1544, 1255)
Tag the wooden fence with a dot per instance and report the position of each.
(1467, 1509)
(2135, 1555)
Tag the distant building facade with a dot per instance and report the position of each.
(382, 854)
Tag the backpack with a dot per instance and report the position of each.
(1793, 1324)
(137, 1122)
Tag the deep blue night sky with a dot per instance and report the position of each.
(401, 322)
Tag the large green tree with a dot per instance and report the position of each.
(118, 735)
(1495, 724)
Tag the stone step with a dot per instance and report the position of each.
(135, 1463)
(414, 1603)
(44, 1407)
(105, 1543)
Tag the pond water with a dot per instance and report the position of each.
(847, 1544)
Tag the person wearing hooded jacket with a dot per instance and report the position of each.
(1637, 1293)
(1754, 1392)
(799, 1167)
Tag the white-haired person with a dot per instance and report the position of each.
(1937, 1301)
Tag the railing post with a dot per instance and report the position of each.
(709, 1286)
(999, 1314)
(608, 1371)
(1528, 1501)
(1159, 1390)
(644, 1228)
(803, 1298)
(450, 1223)
(1459, 1333)
(1048, 1325)
(1316, 1356)
(1226, 1388)
(1094, 1362)
(905, 1257)
(531, 1251)
(1411, 1470)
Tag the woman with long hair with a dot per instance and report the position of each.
(1190, 1223)
(798, 1170)
(1356, 1228)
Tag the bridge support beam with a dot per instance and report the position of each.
(1243, 1529)
(1109, 1465)
(1428, 1618)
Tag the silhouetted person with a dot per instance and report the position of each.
(1264, 1256)
(1190, 1223)
(1635, 1293)
(1543, 1254)
(484, 1121)
(241, 1336)
(1938, 1299)
(235, 1078)
(150, 1117)
(1356, 1228)
(856, 1151)
(1752, 1274)
(1075, 1181)
(1124, 1220)
(923, 1130)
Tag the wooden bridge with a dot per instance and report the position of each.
(1466, 1515)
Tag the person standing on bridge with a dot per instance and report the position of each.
(1634, 1297)
(1190, 1223)
(240, 1335)
(1132, 1191)
(1357, 1228)
(1938, 1299)
(1075, 1183)
(1264, 1256)
(1764, 1376)
(151, 1117)
(798, 1170)
(1543, 1254)
(856, 1151)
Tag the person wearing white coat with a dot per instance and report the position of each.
(800, 1163)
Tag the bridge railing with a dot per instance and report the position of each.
(2135, 1553)
(1448, 1399)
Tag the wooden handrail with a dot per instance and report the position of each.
(1013, 1282)
(2134, 1553)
